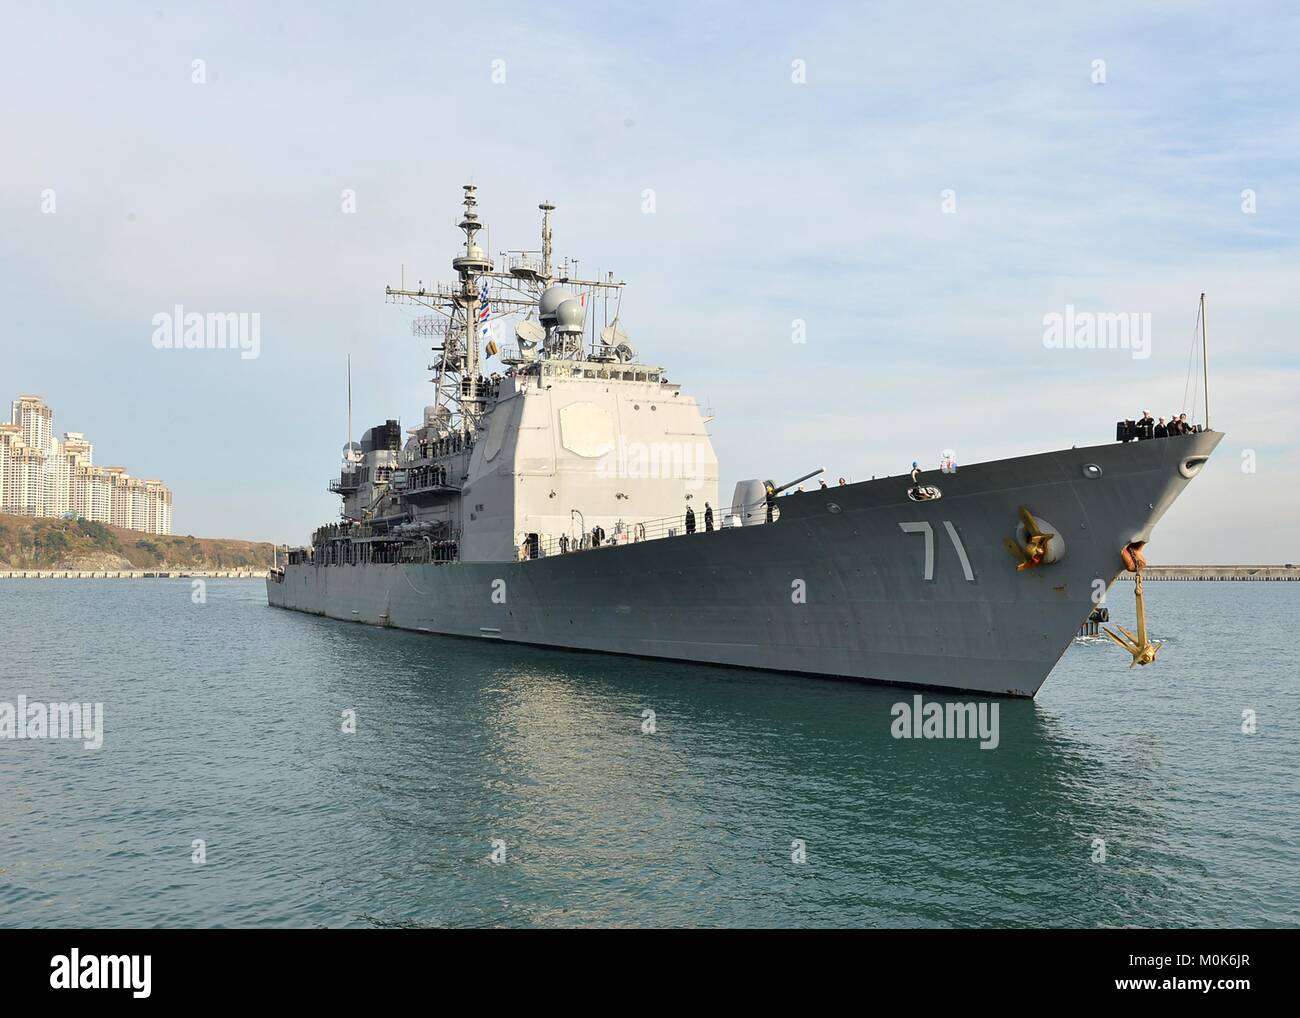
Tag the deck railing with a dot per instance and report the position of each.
(547, 545)
(424, 548)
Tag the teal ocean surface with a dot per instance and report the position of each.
(223, 724)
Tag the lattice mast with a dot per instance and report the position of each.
(460, 398)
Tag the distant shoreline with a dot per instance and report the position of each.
(1239, 573)
(131, 574)
(45, 545)
(1214, 573)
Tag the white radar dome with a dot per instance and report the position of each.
(569, 317)
(551, 299)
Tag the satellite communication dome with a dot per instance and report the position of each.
(551, 299)
(615, 343)
(569, 317)
(529, 333)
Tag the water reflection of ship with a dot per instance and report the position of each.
(570, 780)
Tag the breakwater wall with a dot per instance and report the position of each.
(1238, 573)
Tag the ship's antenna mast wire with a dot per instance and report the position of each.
(1191, 382)
(1191, 358)
(1205, 363)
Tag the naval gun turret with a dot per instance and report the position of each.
(753, 500)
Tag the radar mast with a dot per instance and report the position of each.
(463, 312)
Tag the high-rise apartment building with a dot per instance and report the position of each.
(41, 475)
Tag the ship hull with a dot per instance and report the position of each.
(854, 582)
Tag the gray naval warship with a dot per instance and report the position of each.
(570, 500)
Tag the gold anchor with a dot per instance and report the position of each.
(1142, 649)
(1035, 549)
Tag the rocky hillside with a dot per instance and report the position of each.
(27, 543)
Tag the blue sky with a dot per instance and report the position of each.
(775, 201)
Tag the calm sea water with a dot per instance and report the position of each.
(223, 724)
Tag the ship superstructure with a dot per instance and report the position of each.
(570, 499)
(573, 437)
